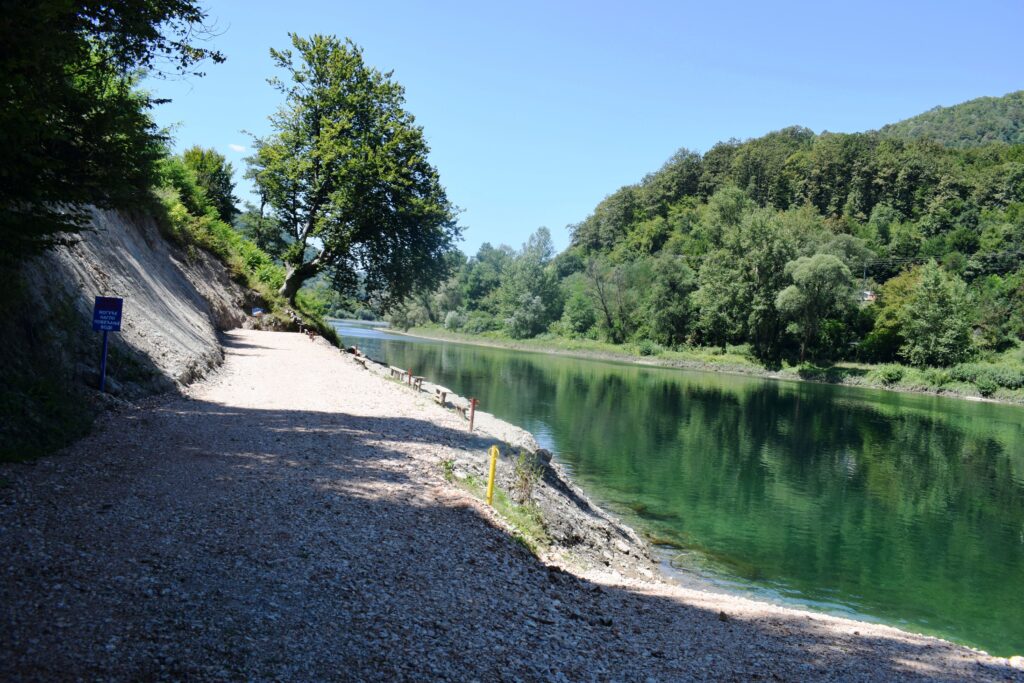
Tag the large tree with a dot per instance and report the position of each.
(346, 175)
(73, 130)
(936, 320)
(822, 289)
(529, 296)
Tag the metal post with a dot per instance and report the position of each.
(472, 412)
(103, 364)
(490, 476)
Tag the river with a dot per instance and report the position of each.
(901, 508)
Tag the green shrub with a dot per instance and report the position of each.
(310, 304)
(986, 386)
(739, 350)
(646, 347)
(479, 322)
(998, 375)
(937, 377)
(454, 320)
(271, 275)
(526, 472)
(889, 374)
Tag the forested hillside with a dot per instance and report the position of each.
(980, 121)
(792, 246)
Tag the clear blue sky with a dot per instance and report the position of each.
(535, 111)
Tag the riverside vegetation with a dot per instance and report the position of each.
(888, 258)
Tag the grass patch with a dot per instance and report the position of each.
(525, 519)
(448, 470)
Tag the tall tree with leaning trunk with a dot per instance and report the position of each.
(346, 175)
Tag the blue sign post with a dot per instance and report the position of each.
(106, 318)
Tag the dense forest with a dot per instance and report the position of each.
(986, 119)
(904, 245)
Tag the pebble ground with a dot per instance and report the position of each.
(287, 520)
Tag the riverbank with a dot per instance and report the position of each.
(889, 377)
(296, 517)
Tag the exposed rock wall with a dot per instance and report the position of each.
(176, 301)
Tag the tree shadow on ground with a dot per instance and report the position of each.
(305, 545)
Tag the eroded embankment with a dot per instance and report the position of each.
(576, 530)
(290, 519)
(176, 301)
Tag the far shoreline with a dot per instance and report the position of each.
(749, 370)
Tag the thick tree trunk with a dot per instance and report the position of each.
(295, 276)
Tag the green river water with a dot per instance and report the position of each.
(904, 509)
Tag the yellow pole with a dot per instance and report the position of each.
(490, 477)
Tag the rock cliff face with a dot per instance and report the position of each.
(175, 302)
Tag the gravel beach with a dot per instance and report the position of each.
(288, 519)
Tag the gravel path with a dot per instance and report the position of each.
(288, 520)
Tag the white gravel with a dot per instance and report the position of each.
(288, 520)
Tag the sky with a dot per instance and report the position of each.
(535, 111)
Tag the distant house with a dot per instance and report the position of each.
(868, 296)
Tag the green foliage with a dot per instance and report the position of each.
(669, 309)
(310, 303)
(478, 322)
(525, 519)
(936, 320)
(526, 472)
(448, 469)
(646, 347)
(454, 320)
(740, 281)
(1005, 376)
(792, 245)
(189, 218)
(213, 174)
(822, 288)
(889, 374)
(1000, 310)
(983, 120)
(262, 230)
(986, 386)
(346, 175)
(578, 314)
(74, 130)
(529, 296)
(408, 314)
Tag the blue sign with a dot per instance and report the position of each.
(106, 314)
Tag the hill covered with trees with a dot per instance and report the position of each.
(790, 247)
(980, 121)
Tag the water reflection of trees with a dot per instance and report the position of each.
(900, 504)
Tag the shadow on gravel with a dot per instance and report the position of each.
(295, 545)
(229, 342)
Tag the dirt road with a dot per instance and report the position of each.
(288, 520)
